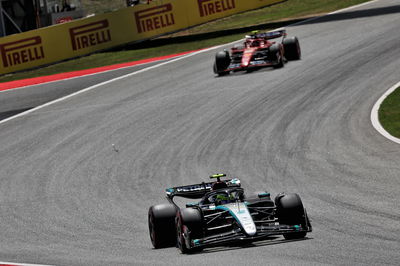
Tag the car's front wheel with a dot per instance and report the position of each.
(290, 211)
(188, 227)
(275, 54)
(222, 62)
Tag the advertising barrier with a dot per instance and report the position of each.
(84, 36)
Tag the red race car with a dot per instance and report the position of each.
(258, 51)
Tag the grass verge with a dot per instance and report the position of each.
(389, 113)
(214, 33)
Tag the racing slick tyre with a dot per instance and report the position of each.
(275, 54)
(292, 48)
(162, 229)
(222, 61)
(189, 225)
(290, 211)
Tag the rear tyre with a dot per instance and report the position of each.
(189, 226)
(161, 220)
(222, 62)
(292, 48)
(290, 211)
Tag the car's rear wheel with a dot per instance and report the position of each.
(222, 62)
(161, 221)
(292, 48)
(290, 211)
(189, 226)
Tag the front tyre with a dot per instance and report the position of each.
(290, 211)
(188, 227)
(222, 62)
(276, 54)
(161, 221)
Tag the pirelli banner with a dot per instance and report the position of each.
(84, 36)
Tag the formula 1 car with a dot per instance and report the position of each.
(258, 51)
(224, 215)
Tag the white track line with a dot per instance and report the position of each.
(20, 264)
(374, 115)
(83, 76)
(104, 83)
(156, 66)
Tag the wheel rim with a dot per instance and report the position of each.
(151, 228)
(179, 234)
(298, 49)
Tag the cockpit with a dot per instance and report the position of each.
(223, 196)
(254, 43)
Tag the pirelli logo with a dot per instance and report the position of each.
(210, 7)
(154, 18)
(22, 51)
(91, 34)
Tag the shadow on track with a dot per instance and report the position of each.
(7, 114)
(356, 14)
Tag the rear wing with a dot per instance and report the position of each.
(267, 35)
(197, 191)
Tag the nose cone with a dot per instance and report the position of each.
(247, 55)
(240, 212)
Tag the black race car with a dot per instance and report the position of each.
(224, 215)
(258, 51)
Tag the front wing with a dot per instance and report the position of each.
(252, 64)
(235, 236)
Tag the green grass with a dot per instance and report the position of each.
(389, 113)
(286, 10)
(102, 6)
(210, 34)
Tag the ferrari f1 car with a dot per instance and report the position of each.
(258, 51)
(224, 215)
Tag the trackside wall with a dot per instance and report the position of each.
(80, 37)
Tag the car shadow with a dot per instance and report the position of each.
(247, 72)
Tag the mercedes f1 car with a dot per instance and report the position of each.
(258, 51)
(224, 215)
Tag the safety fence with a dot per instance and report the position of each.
(84, 36)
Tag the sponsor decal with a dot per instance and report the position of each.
(91, 34)
(22, 51)
(154, 18)
(210, 7)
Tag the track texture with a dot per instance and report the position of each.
(67, 197)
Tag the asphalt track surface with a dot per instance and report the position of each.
(67, 197)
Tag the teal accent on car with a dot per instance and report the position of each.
(297, 227)
(235, 181)
(170, 190)
(264, 194)
(196, 242)
(221, 207)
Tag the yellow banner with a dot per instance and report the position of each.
(84, 36)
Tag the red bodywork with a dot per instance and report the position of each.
(250, 46)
